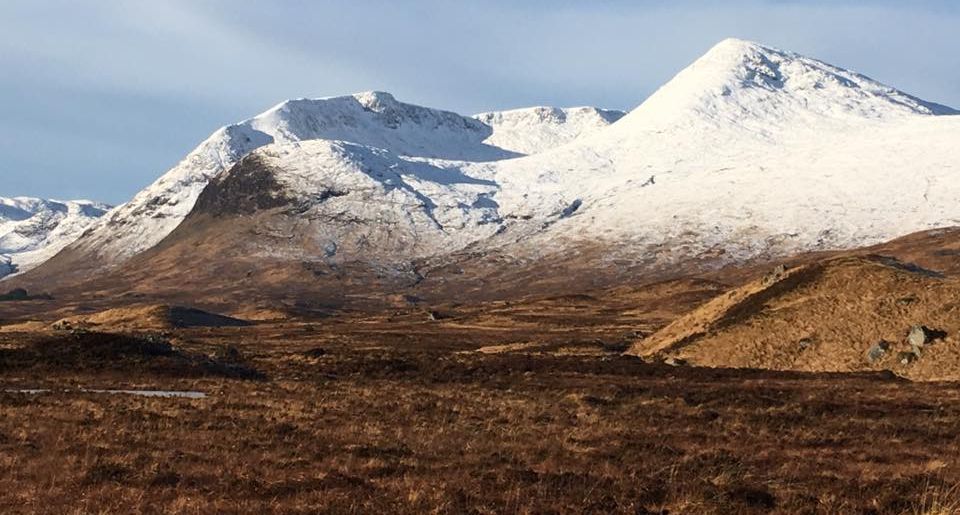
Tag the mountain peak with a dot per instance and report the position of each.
(762, 88)
(369, 100)
(738, 45)
(375, 97)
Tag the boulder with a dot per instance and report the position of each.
(438, 315)
(920, 335)
(774, 275)
(907, 357)
(675, 361)
(877, 351)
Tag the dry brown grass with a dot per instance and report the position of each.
(823, 317)
(938, 498)
(398, 415)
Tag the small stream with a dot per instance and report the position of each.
(138, 393)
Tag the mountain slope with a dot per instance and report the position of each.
(750, 153)
(373, 119)
(32, 230)
(352, 202)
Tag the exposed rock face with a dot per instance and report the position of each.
(249, 187)
(6, 266)
(775, 275)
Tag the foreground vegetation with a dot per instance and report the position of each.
(376, 416)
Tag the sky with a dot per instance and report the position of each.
(98, 98)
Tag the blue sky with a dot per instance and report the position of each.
(98, 98)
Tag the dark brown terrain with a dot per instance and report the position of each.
(407, 415)
(433, 403)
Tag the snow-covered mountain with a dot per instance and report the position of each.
(333, 201)
(535, 129)
(32, 230)
(371, 119)
(749, 152)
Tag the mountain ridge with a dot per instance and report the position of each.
(813, 158)
(33, 229)
(435, 134)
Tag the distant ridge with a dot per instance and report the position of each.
(32, 229)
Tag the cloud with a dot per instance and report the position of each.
(167, 48)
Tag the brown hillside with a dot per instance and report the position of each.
(150, 317)
(825, 316)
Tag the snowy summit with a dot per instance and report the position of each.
(751, 151)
